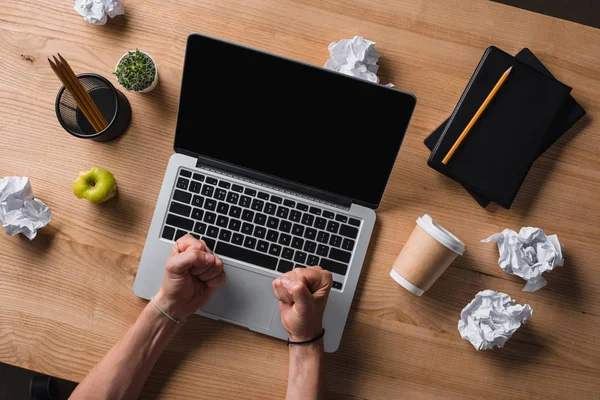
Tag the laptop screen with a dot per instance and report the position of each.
(290, 120)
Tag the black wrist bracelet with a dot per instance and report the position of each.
(319, 336)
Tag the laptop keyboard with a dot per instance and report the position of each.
(265, 230)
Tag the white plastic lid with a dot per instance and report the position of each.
(440, 234)
(405, 284)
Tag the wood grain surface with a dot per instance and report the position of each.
(66, 297)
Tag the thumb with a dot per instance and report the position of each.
(298, 290)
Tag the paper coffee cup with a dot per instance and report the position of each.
(429, 250)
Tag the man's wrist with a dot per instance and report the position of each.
(169, 306)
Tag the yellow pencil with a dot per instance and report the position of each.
(476, 117)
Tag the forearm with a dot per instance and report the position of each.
(123, 371)
(306, 379)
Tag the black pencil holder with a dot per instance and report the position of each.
(113, 105)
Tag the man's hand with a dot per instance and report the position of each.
(192, 274)
(302, 295)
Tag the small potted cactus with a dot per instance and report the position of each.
(137, 72)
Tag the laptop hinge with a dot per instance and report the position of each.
(275, 183)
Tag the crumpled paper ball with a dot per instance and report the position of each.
(528, 254)
(97, 11)
(491, 318)
(19, 211)
(355, 57)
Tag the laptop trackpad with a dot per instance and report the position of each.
(246, 297)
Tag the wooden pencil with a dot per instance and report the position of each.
(482, 108)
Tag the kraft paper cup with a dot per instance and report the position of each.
(429, 250)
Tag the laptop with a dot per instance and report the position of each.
(278, 165)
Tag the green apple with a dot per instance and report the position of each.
(96, 185)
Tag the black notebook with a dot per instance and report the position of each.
(496, 155)
(569, 113)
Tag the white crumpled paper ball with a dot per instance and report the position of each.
(97, 11)
(19, 211)
(355, 57)
(528, 254)
(491, 318)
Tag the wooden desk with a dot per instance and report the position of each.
(66, 297)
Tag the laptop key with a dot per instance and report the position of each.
(179, 234)
(333, 266)
(272, 222)
(336, 285)
(315, 210)
(222, 221)
(208, 190)
(260, 232)
(276, 199)
(210, 204)
(285, 239)
(211, 180)
(298, 230)
(180, 222)
(287, 253)
(225, 235)
(340, 255)
(250, 192)
(285, 226)
(328, 214)
(310, 233)
(320, 223)
(220, 194)
(182, 183)
(270, 208)
(297, 243)
(210, 243)
(212, 231)
(348, 244)
(223, 208)
(248, 215)
(197, 214)
(237, 188)
(263, 195)
(195, 187)
(224, 185)
(272, 235)
(198, 201)
(168, 233)
(237, 239)
(233, 197)
(335, 240)
(275, 249)
(312, 260)
(180, 209)
(300, 257)
(349, 231)
(199, 177)
(260, 219)
(341, 218)
(282, 212)
(245, 201)
(250, 242)
(262, 246)
(235, 212)
(251, 257)
(295, 215)
(310, 246)
(323, 237)
(257, 205)
(209, 217)
(289, 203)
(301, 207)
(322, 250)
(308, 219)
(186, 173)
(235, 224)
(200, 228)
(285, 266)
(333, 226)
(247, 228)
(181, 196)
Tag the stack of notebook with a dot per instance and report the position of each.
(529, 112)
